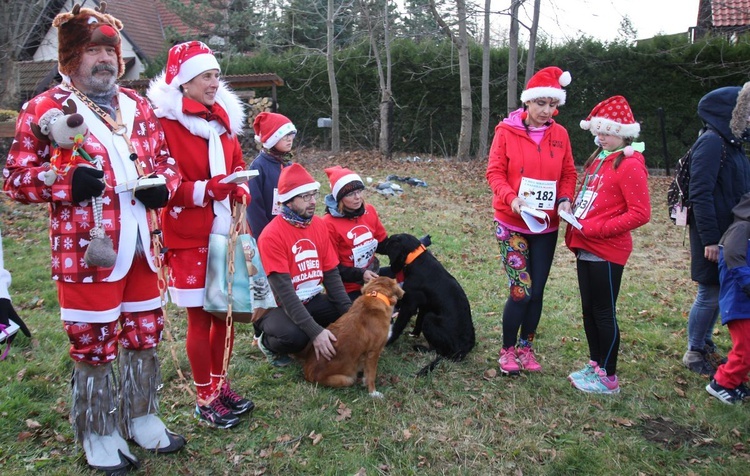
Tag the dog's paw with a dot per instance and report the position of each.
(376, 394)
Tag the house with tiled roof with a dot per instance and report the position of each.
(149, 29)
(728, 18)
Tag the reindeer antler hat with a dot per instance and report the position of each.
(82, 27)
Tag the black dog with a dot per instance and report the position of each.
(431, 292)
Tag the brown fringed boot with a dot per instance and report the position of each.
(141, 378)
(94, 418)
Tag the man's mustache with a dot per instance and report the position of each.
(104, 67)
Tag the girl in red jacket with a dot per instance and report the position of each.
(530, 168)
(612, 201)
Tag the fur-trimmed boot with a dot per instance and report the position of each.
(93, 415)
(141, 378)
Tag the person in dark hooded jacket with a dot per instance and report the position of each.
(728, 384)
(719, 176)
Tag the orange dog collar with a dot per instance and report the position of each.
(380, 296)
(414, 254)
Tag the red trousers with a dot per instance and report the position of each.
(736, 370)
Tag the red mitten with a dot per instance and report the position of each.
(219, 191)
(240, 193)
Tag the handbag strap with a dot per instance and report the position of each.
(238, 227)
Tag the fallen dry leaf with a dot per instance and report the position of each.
(315, 437)
(624, 422)
(344, 413)
(490, 374)
(32, 424)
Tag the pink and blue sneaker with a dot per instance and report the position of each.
(598, 382)
(587, 370)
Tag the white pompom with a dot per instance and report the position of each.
(564, 79)
(585, 125)
(628, 151)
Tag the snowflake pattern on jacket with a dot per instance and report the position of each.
(124, 218)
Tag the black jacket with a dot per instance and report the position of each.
(719, 176)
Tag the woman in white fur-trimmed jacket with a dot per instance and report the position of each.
(202, 119)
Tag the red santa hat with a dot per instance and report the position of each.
(612, 117)
(343, 181)
(188, 60)
(547, 83)
(295, 180)
(270, 127)
(82, 27)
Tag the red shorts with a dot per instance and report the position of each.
(104, 302)
(187, 276)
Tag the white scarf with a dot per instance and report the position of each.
(167, 103)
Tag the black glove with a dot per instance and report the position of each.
(6, 313)
(153, 197)
(87, 182)
(746, 289)
(426, 240)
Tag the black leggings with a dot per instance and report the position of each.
(599, 283)
(523, 309)
(282, 336)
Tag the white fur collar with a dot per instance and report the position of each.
(167, 102)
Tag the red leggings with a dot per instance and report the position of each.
(205, 344)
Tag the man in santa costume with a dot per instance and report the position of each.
(301, 263)
(104, 309)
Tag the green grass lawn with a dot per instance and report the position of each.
(463, 419)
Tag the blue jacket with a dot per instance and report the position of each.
(719, 176)
(734, 265)
(261, 190)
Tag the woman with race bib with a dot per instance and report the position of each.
(532, 177)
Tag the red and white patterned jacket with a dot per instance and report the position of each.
(124, 218)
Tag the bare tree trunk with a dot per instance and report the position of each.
(531, 60)
(335, 131)
(462, 43)
(512, 97)
(386, 103)
(385, 138)
(484, 124)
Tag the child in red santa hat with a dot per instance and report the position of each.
(612, 201)
(275, 132)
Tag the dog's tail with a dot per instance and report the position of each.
(429, 367)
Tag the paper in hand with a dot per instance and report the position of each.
(570, 218)
(536, 220)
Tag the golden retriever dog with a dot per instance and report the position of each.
(361, 334)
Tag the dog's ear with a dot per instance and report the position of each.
(397, 252)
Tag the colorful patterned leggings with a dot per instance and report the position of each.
(527, 275)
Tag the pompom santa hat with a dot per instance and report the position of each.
(612, 117)
(295, 180)
(81, 27)
(547, 83)
(270, 127)
(343, 181)
(188, 60)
